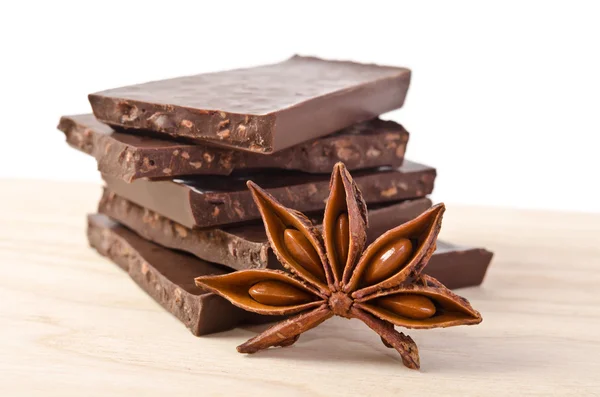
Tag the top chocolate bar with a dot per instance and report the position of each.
(261, 109)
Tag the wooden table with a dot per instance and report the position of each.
(74, 324)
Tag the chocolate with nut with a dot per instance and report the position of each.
(369, 144)
(239, 247)
(207, 201)
(246, 246)
(164, 275)
(262, 109)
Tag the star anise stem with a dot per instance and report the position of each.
(290, 329)
(385, 343)
(402, 343)
(289, 341)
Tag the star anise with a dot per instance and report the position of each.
(331, 273)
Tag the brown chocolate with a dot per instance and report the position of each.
(216, 200)
(369, 144)
(262, 109)
(246, 246)
(239, 247)
(456, 266)
(164, 274)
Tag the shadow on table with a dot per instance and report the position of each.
(452, 350)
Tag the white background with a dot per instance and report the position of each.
(505, 97)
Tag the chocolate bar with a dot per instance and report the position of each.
(216, 200)
(238, 247)
(369, 144)
(168, 275)
(457, 266)
(262, 109)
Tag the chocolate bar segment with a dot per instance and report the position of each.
(369, 144)
(262, 109)
(216, 200)
(238, 247)
(459, 267)
(166, 275)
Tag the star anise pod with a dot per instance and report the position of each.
(331, 273)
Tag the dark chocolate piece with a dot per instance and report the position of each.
(369, 144)
(168, 277)
(244, 247)
(457, 266)
(164, 274)
(216, 200)
(239, 247)
(262, 109)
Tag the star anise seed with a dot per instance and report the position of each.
(332, 273)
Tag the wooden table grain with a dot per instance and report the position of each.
(72, 323)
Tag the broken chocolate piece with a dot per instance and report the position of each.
(369, 144)
(239, 247)
(246, 246)
(261, 109)
(168, 277)
(151, 267)
(456, 266)
(216, 200)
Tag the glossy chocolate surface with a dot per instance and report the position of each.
(209, 200)
(239, 247)
(262, 109)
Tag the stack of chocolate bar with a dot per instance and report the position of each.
(175, 156)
